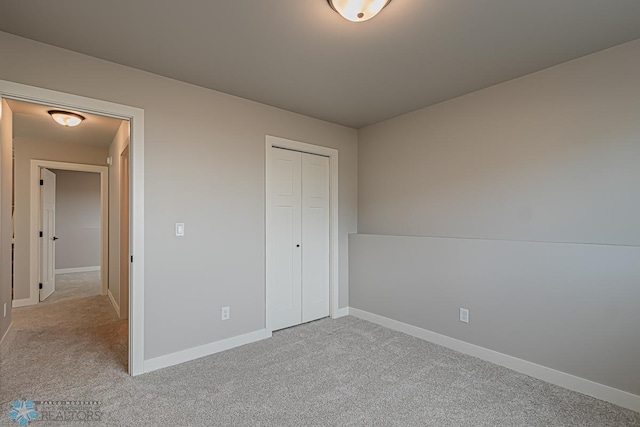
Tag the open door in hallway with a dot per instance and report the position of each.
(48, 233)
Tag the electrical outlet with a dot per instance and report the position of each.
(464, 315)
(226, 313)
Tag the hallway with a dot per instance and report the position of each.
(63, 348)
(75, 285)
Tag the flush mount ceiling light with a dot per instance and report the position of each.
(65, 118)
(358, 10)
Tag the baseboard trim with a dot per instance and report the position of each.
(202, 351)
(24, 302)
(77, 269)
(6, 333)
(344, 311)
(562, 379)
(115, 305)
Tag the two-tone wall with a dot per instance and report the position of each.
(520, 202)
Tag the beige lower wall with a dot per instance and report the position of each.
(25, 151)
(204, 166)
(569, 307)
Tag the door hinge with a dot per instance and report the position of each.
(40, 285)
(41, 234)
(42, 182)
(131, 258)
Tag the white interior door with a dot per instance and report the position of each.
(48, 227)
(298, 246)
(315, 237)
(285, 296)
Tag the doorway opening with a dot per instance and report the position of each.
(71, 203)
(126, 297)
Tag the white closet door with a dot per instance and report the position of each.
(284, 252)
(315, 237)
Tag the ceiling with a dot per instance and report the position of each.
(34, 122)
(303, 57)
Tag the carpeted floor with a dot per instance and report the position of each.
(75, 285)
(344, 372)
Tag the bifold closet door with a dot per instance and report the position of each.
(284, 251)
(315, 237)
(298, 247)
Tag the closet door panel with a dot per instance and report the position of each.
(315, 237)
(285, 298)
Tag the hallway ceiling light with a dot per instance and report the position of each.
(358, 10)
(66, 118)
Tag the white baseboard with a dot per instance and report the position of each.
(344, 311)
(6, 333)
(202, 351)
(24, 302)
(77, 269)
(562, 379)
(115, 305)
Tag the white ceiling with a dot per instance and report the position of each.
(33, 121)
(302, 56)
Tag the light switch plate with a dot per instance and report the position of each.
(179, 228)
(464, 315)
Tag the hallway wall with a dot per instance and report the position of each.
(77, 219)
(6, 232)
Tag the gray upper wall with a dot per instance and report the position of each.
(552, 156)
(204, 166)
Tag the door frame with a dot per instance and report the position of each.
(332, 154)
(35, 263)
(135, 116)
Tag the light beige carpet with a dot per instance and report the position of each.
(344, 372)
(75, 285)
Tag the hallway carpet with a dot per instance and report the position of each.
(75, 285)
(344, 372)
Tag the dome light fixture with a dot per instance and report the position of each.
(358, 10)
(66, 118)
